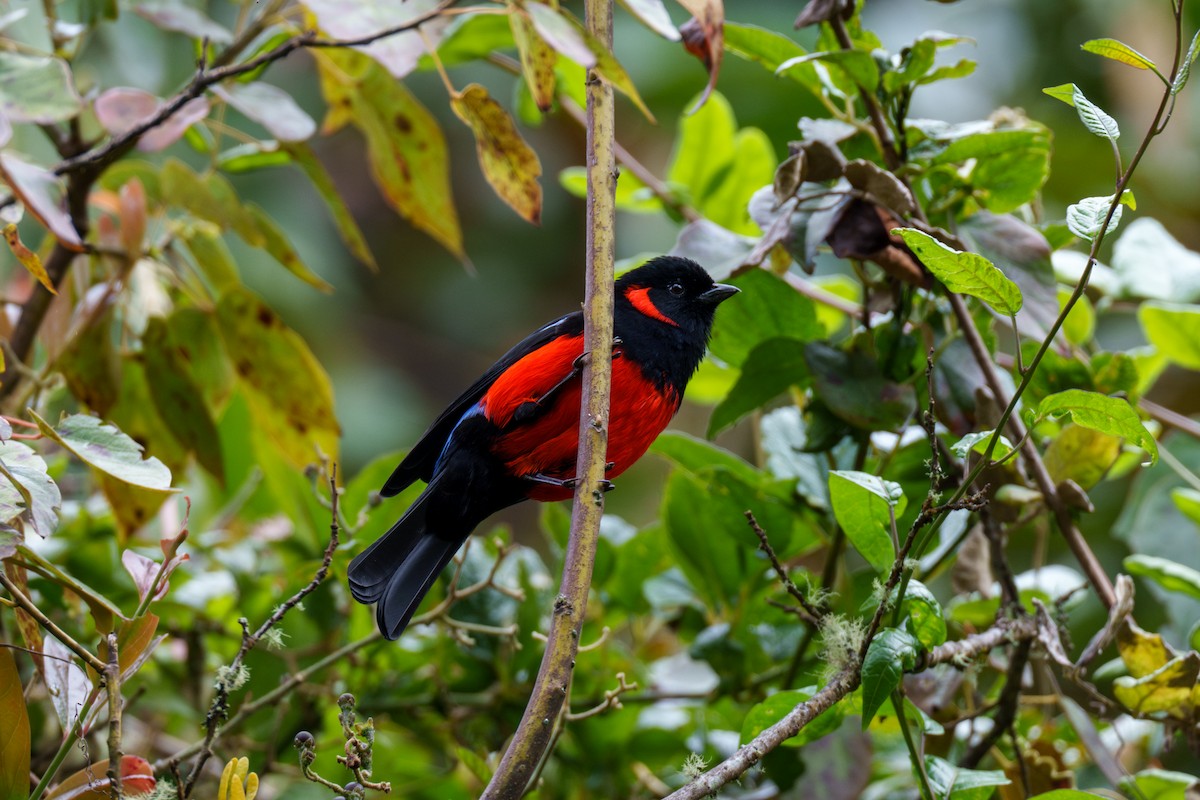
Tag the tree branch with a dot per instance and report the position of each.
(532, 740)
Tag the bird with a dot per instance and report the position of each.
(513, 435)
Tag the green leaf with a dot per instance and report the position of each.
(767, 308)
(178, 400)
(406, 149)
(1080, 324)
(36, 89)
(1158, 784)
(1170, 575)
(716, 565)
(1188, 503)
(287, 389)
(632, 194)
(1093, 410)
(1095, 119)
(1086, 218)
(103, 447)
(926, 621)
(977, 442)
(1174, 330)
(470, 37)
(771, 367)
(1024, 254)
(890, 654)
(770, 49)
(698, 456)
(1118, 51)
(955, 783)
(864, 505)
(14, 734)
(1005, 168)
(1185, 66)
(784, 440)
(765, 714)
(859, 66)
(1065, 794)
(1064, 92)
(508, 162)
(965, 273)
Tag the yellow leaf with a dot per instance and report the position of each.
(1142, 652)
(27, 257)
(508, 162)
(226, 777)
(537, 60)
(1169, 688)
(251, 786)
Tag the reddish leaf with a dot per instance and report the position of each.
(91, 783)
(133, 216)
(14, 733)
(122, 108)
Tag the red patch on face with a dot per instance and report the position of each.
(639, 298)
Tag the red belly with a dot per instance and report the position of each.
(638, 413)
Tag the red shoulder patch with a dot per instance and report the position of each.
(531, 377)
(639, 298)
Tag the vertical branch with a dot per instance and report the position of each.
(542, 715)
(112, 682)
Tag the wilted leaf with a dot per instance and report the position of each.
(42, 193)
(107, 449)
(1093, 410)
(864, 506)
(36, 89)
(289, 393)
(271, 107)
(884, 187)
(29, 259)
(537, 60)
(704, 37)
(508, 162)
(890, 654)
(965, 273)
(407, 151)
(1169, 688)
(26, 491)
(818, 11)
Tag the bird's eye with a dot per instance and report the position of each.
(675, 289)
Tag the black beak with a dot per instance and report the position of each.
(718, 293)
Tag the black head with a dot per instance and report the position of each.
(675, 292)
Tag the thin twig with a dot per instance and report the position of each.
(218, 711)
(31, 608)
(764, 544)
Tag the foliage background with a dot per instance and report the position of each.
(397, 344)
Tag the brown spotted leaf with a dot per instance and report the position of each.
(508, 162)
(29, 259)
(405, 146)
(289, 393)
(537, 60)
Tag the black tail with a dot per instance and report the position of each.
(397, 570)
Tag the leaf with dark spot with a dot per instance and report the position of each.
(508, 162)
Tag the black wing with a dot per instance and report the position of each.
(420, 460)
